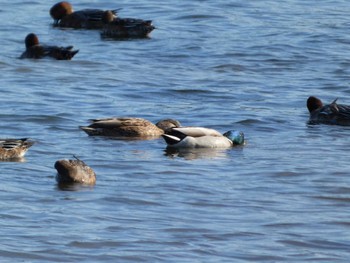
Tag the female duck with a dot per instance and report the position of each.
(14, 148)
(334, 114)
(116, 27)
(129, 127)
(35, 50)
(74, 171)
(198, 137)
(63, 16)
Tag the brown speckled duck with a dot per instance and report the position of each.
(64, 16)
(333, 113)
(128, 127)
(35, 50)
(116, 27)
(14, 148)
(74, 171)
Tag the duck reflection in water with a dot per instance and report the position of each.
(196, 153)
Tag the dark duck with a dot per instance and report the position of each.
(332, 114)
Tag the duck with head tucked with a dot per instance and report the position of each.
(64, 16)
(35, 50)
(116, 27)
(129, 127)
(14, 148)
(333, 113)
(200, 137)
(74, 171)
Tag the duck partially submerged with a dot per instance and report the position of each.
(14, 148)
(64, 16)
(35, 50)
(333, 113)
(74, 171)
(116, 27)
(129, 127)
(199, 137)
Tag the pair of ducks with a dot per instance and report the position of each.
(68, 171)
(171, 130)
(76, 171)
(106, 20)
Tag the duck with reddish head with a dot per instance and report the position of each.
(332, 114)
(64, 16)
(35, 50)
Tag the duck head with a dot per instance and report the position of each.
(74, 171)
(108, 17)
(168, 124)
(60, 10)
(313, 104)
(31, 40)
(237, 137)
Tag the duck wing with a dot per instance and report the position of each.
(94, 15)
(36, 51)
(15, 143)
(182, 132)
(60, 53)
(336, 114)
(131, 22)
(111, 123)
(342, 111)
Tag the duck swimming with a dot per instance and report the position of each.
(199, 137)
(116, 27)
(35, 50)
(333, 113)
(64, 16)
(129, 127)
(74, 171)
(14, 148)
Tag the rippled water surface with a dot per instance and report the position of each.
(247, 65)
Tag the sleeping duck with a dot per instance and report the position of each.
(333, 114)
(36, 50)
(199, 137)
(128, 127)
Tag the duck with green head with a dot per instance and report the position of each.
(200, 137)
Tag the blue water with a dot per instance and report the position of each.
(247, 65)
